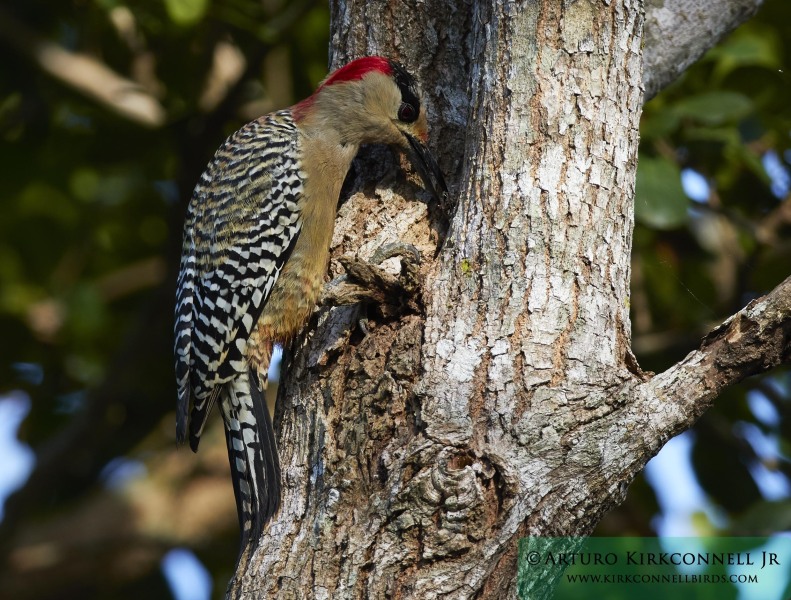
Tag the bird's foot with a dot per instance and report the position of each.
(367, 282)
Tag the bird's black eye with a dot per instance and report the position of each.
(407, 113)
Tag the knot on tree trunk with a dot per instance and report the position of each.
(447, 506)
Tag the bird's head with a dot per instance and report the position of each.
(375, 100)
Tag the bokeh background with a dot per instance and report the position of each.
(109, 111)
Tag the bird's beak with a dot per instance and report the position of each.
(424, 163)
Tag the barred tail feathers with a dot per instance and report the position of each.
(199, 416)
(255, 467)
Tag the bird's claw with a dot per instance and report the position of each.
(406, 251)
(366, 282)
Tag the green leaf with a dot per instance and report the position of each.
(83, 183)
(714, 108)
(658, 123)
(763, 518)
(40, 199)
(752, 161)
(186, 12)
(728, 135)
(86, 311)
(660, 201)
(746, 48)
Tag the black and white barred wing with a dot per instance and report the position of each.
(242, 223)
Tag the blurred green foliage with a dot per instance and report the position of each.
(92, 210)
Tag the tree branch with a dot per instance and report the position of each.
(606, 442)
(679, 32)
(752, 341)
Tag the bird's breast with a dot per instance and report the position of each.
(296, 291)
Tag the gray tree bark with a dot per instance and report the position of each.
(502, 399)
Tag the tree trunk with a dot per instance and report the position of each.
(502, 400)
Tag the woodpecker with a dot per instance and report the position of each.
(255, 253)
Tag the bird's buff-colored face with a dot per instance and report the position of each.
(404, 115)
(392, 114)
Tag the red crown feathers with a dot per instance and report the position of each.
(358, 68)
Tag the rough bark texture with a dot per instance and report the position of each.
(502, 398)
